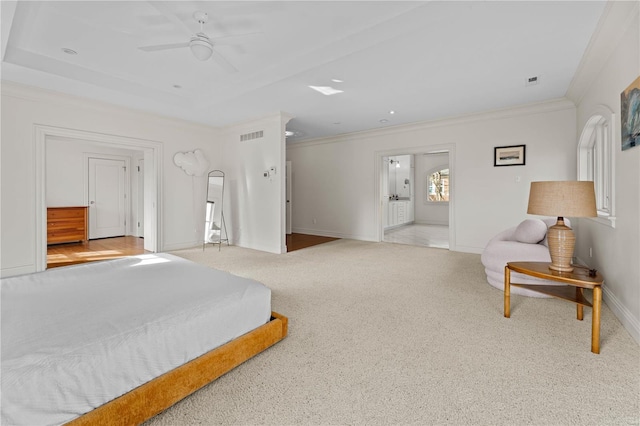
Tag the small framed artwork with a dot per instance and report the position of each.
(630, 115)
(509, 155)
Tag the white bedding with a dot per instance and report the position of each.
(75, 338)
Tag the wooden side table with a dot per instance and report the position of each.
(579, 279)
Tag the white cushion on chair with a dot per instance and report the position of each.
(506, 247)
(530, 231)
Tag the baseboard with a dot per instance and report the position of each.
(432, 222)
(180, 246)
(17, 270)
(258, 245)
(629, 322)
(463, 249)
(322, 233)
(626, 318)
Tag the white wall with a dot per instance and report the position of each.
(66, 172)
(611, 64)
(398, 172)
(335, 178)
(24, 107)
(254, 204)
(429, 213)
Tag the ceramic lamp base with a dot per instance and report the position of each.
(561, 241)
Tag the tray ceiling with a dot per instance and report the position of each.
(423, 60)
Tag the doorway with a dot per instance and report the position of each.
(150, 151)
(406, 215)
(288, 194)
(107, 181)
(138, 198)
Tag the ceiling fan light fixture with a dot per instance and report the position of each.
(201, 49)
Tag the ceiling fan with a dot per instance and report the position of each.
(201, 45)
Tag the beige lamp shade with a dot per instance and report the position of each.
(562, 199)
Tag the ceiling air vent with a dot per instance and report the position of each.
(532, 81)
(251, 136)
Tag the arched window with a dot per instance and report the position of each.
(438, 185)
(596, 161)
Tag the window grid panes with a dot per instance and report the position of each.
(438, 186)
(595, 163)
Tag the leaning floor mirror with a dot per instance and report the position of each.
(215, 229)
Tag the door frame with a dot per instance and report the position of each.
(451, 148)
(289, 197)
(137, 204)
(153, 154)
(127, 184)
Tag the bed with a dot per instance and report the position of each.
(117, 342)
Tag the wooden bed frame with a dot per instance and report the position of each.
(157, 395)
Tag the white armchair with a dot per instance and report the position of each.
(526, 242)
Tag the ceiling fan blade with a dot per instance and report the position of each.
(222, 61)
(235, 39)
(163, 47)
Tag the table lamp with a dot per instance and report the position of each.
(562, 199)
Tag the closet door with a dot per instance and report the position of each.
(106, 198)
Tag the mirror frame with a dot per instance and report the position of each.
(221, 225)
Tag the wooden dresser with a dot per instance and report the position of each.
(67, 224)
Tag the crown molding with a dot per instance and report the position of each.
(616, 19)
(38, 94)
(528, 109)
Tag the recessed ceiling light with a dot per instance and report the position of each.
(326, 90)
(288, 133)
(177, 86)
(335, 80)
(392, 112)
(384, 120)
(69, 51)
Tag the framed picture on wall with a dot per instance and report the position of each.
(513, 155)
(630, 115)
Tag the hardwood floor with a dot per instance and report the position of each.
(102, 249)
(300, 241)
(113, 248)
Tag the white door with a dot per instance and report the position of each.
(106, 198)
(288, 195)
(140, 209)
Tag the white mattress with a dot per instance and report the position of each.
(75, 338)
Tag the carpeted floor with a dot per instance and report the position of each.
(384, 334)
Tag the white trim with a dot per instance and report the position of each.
(599, 114)
(41, 95)
(136, 193)
(609, 221)
(8, 13)
(430, 223)
(182, 246)
(331, 234)
(614, 22)
(629, 322)
(523, 110)
(16, 270)
(153, 151)
(127, 184)
(40, 204)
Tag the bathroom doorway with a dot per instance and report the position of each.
(416, 197)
